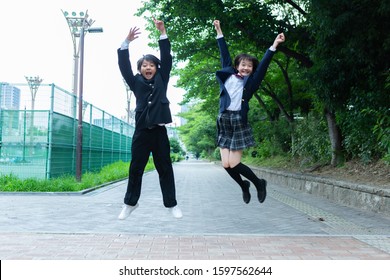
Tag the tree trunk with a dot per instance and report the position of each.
(335, 138)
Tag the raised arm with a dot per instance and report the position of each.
(165, 50)
(223, 49)
(124, 59)
(261, 70)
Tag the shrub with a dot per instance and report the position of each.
(67, 183)
(311, 140)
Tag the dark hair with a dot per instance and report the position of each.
(150, 58)
(244, 56)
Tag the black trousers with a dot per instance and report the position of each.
(156, 142)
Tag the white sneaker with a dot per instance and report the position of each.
(176, 212)
(126, 211)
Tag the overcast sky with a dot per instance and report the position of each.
(35, 40)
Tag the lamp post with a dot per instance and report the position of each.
(33, 83)
(75, 22)
(78, 26)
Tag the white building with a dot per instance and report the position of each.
(9, 97)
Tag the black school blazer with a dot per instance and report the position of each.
(251, 82)
(152, 104)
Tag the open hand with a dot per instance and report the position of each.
(133, 33)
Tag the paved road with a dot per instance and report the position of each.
(216, 224)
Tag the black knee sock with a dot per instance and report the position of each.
(260, 184)
(244, 185)
(246, 172)
(236, 176)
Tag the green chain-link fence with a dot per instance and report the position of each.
(41, 143)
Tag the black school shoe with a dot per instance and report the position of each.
(246, 195)
(261, 190)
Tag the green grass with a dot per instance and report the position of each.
(276, 162)
(109, 173)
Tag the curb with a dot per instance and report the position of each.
(370, 198)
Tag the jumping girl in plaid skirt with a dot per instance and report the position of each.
(238, 83)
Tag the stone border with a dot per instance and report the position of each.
(364, 197)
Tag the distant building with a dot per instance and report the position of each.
(9, 97)
(9, 100)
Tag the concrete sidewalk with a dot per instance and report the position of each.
(216, 224)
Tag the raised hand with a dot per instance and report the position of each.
(217, 26)
(278, 40)
(133, 33)
(160, 26)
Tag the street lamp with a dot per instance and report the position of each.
(75, 22)
(78, 26)
(33, 83)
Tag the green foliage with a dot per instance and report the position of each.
(6, 181)
(310, 140)
(351, 52)
(367, 133)
(176, 157)
(116, 171)
(175, 146)
(267, 148)
(199, 133)
(216, 154)
(275, 133)
(336, 57)
(382, 131)
(280, 161)
(198, 79)
(348, 35)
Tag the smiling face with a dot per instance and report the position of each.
(147, 66)
(148, 69)
(245, 68)
(245, 64)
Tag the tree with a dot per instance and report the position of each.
(251, 27)
(175, 146)
(331, 50)
(199, 133)
(347, 63)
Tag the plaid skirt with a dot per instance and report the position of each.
(232, 133)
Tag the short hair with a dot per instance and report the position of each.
(150, 58)
(244, 56)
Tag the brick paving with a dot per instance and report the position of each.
(216, 224)
(30, 246)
